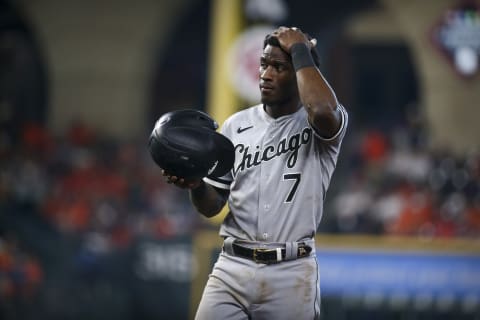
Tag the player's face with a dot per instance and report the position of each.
(278, 83)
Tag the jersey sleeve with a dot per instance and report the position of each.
(341, 131)
(224, 181)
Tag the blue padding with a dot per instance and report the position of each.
(359, 272)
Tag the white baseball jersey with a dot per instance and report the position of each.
(280, 177)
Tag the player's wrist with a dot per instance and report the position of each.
(301, 56)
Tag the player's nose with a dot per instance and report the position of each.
(266, 73)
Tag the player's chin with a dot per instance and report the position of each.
(266, 99)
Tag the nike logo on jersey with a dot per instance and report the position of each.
(240, 129)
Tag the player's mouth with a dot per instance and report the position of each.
(266, 88)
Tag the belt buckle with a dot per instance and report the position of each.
(255, 252)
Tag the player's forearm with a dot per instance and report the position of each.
(315, 93)
(207, 200)
(319, 101)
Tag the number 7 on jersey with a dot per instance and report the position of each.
(292, 176)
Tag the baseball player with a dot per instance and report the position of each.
(286, 150)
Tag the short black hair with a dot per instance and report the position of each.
(270, 39)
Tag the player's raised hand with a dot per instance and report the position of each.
(287, 37)
(181, 182)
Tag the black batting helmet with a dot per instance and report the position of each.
(185, 143)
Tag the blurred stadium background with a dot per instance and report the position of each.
(89, 230)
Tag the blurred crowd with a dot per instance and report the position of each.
(396, 185)
(84, 183)
(109, 192)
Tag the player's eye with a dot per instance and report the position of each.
(279, 67)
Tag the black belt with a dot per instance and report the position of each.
(268, 255)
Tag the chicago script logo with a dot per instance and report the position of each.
(288, 144)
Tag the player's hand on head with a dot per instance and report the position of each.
(287, 37)
(181, 182)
